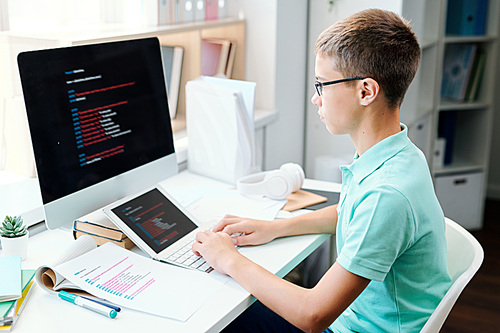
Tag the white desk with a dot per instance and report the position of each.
(46, 313)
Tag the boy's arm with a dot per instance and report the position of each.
(311, 310)
(322, 221)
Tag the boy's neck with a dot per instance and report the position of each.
(378, 124)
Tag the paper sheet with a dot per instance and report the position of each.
(136, 282)
(213, 203)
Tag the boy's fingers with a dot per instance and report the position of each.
(243, 240)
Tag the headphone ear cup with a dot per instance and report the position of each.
(296, 174)
(278, 185)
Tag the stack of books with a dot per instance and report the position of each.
(15, 290)
(102, 231)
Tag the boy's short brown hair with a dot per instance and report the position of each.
(377, 44)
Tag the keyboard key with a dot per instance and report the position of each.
(204, 267)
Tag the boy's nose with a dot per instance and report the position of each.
(316, 99)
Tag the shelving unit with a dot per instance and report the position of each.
(188, 35)
(456, 184)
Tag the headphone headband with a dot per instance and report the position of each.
(276, 184)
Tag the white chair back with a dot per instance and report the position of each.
(465, 256)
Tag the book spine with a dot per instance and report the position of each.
(125, 243)
(98, 229)
(95, 235)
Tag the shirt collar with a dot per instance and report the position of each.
(377, 155)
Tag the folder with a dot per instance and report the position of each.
(220, 129)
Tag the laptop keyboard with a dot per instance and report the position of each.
(185, 257)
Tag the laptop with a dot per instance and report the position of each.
(160, 226)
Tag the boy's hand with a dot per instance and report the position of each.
(253, 232)
(217, 249)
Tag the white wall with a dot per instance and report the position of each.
(285, 138)
(318, 140)
(276, 42)
(260, 57)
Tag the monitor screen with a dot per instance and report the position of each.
(99, 123)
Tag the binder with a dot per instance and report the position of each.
(199, 11)
(187, 11)
(220, 129)
(222, 10)
(446, 129)
(211, 10)
(466, 17)
(481, 14)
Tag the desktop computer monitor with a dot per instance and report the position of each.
(99, 124)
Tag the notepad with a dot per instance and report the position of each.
(10, 311)
(10, 275)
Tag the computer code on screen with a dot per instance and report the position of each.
(95, 111)
(155, 219)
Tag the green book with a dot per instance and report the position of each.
(6, 307)
(10, 275)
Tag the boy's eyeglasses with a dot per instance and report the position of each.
(319, 85)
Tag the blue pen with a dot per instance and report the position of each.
(117, 309)
(85, 303)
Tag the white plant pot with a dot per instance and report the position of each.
(17, 246)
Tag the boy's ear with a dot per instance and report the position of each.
(369, 91)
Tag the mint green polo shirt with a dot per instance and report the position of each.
(391, 230)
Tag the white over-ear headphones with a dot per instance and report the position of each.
(276, 184)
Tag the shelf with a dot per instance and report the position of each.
(425, 44)
(457, 168)
(469, 39)
(109, 32)
(458, 106)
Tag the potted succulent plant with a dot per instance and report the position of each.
(14, 237)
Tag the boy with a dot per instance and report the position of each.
(391, 271)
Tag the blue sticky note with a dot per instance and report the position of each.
(10, 275)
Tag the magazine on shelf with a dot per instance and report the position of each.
(457, 68)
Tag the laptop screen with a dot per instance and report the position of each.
(95, 112)
(155, 219)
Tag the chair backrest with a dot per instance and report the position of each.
(465, 256)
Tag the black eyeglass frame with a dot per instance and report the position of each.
(319, 85)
